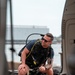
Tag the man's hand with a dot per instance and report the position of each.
(41, 68)
(23, 69)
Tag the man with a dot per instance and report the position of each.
(35, 55)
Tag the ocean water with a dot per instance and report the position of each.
(8, 52)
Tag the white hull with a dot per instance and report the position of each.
(68, 38)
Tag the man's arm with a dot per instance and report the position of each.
(23, 55)
(23, 69)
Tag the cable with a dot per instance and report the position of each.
(33, 34)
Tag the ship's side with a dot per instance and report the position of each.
(68, 38)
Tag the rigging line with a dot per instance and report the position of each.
(11, 27)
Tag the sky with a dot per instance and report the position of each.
(38, 13)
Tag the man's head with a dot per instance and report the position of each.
(47, 40)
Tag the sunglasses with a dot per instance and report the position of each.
(44, 40)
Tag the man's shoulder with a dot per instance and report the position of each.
(33, 41)
(31, 44)
(51, 49)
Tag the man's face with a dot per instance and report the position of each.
(46, 41)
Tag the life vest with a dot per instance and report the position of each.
(37, 55)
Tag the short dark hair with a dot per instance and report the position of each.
(50, 35)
